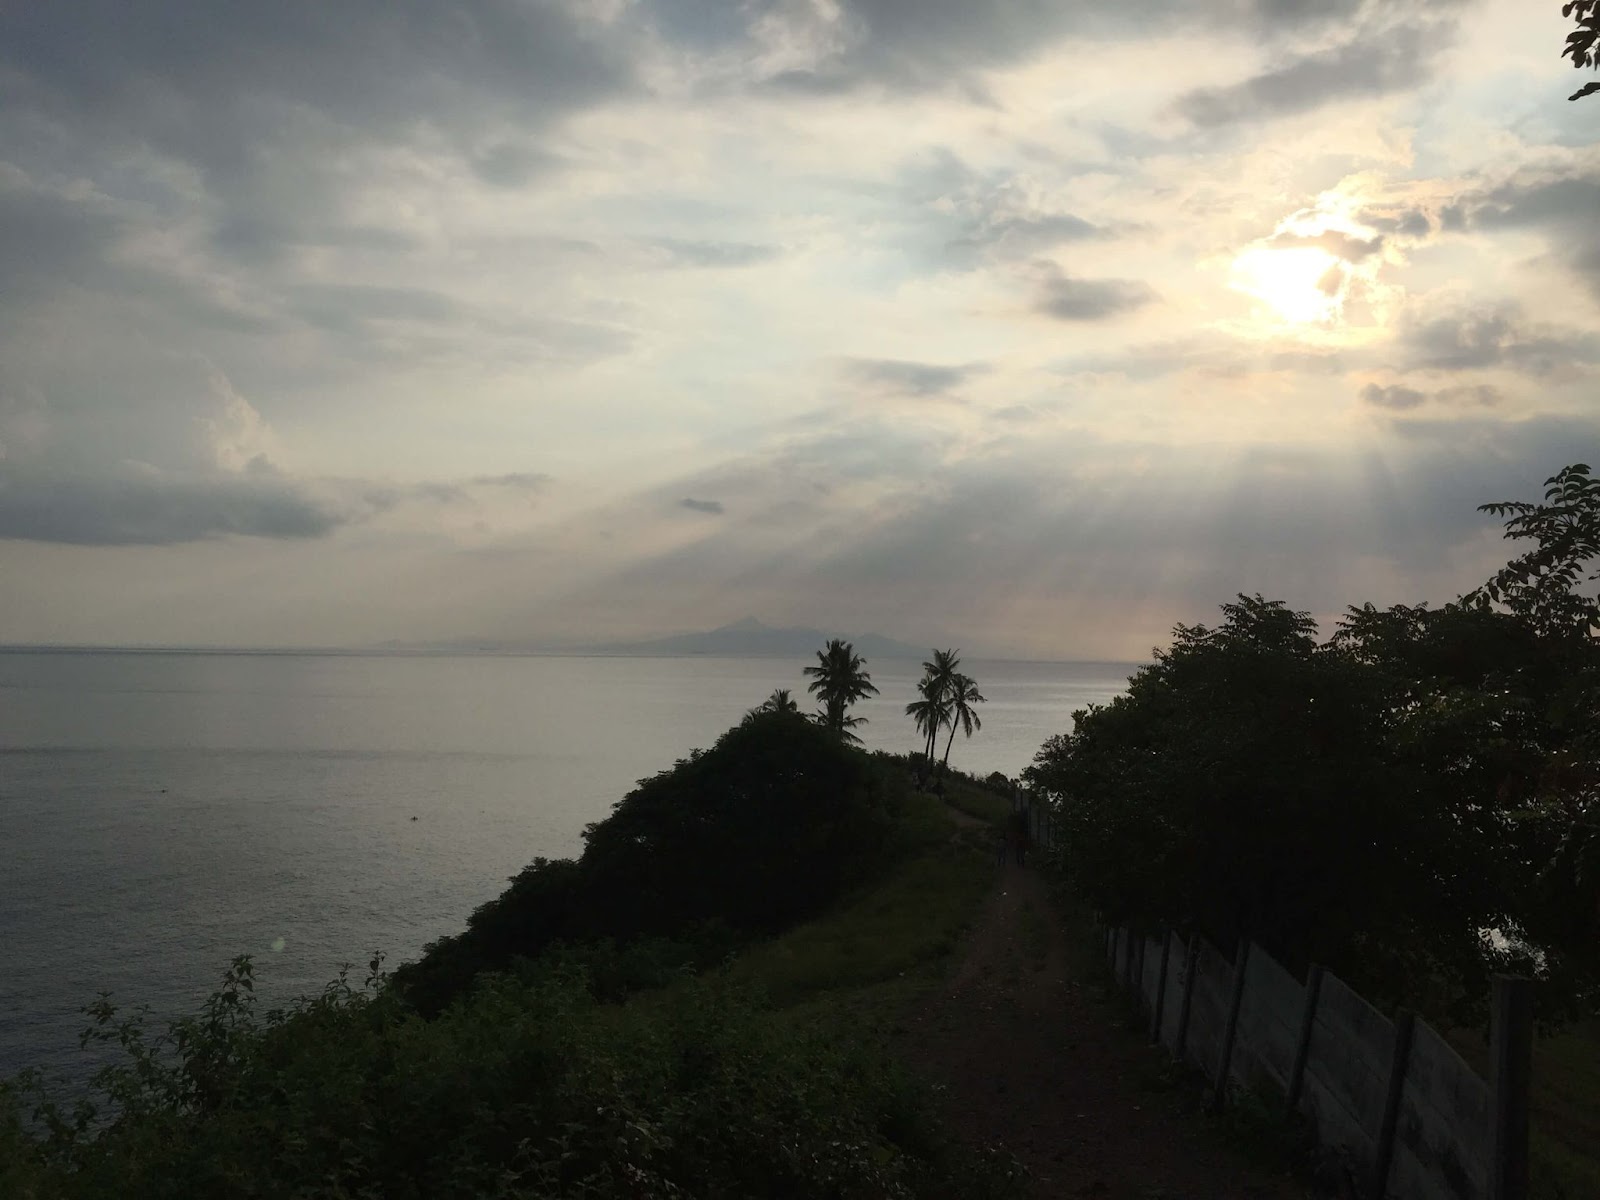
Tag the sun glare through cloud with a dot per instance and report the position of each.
(1301, 285)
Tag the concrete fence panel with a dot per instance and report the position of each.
(1347, 1071)
(1208, 1007)
(1152, 973)
(1443, 1097)
(1393, 1100)
(1172, 1006)
(1269, 1025)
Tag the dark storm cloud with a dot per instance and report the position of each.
(1373, 63)
(1495, 336)
(912, 378)
(1068, 299)
(157, 510)
(713, 507)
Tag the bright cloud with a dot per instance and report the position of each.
(546, 321)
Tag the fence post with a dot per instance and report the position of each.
(1159, 1007)
(1302, 1050)
(1405, 1023)
(1190, 961)
(1127, 956)
(1241, 961)
(1510, 1075)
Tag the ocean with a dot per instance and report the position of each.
(161, 813)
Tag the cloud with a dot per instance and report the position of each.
(155, 509)
(1400, 398)
(897, 376)
(960, 217)
(527, 481)
(680, 252)
(174, 72)
(713, 507)
(1474, 337)
(1346, 246)
(1394, 396)
(1560, 201)
(1068, 299)
(1375, 62)
(925, 44)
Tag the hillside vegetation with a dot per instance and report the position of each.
(564, 1044)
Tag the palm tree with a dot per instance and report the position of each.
(927, 714)
(932, 712)
(838, 680)
(963, 695)
(779, 702)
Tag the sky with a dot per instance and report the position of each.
(1028, 327)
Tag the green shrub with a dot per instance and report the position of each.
(767, 828)
(527, 1087)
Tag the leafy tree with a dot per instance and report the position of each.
(760, 831)
(963, 694)
(1377, 801)
(838, 680)
(1541, 586)
(1583, 43)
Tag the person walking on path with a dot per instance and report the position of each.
(1017, 836)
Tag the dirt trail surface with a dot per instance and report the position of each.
(1030, 1056)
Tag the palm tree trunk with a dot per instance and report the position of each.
(945, 765)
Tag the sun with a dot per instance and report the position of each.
(1302, 285)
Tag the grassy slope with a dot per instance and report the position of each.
(881, 946)
(1566, 1110)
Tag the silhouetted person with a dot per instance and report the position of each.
(1017, 831)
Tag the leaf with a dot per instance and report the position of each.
(1587, 89)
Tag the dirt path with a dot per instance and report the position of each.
(1037, 1059)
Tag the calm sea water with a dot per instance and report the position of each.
(161, 813)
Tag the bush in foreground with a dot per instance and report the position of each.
(526, 1088)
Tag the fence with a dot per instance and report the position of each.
(1389, 1097)
(1041, 821)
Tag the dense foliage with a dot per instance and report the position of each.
(1411, 801)
(765, 828)
(528, 1088)
(526, 1058)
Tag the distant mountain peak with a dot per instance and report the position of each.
(744, 625)
(748, 636)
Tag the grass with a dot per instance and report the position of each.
(1565, 1134)
(891, 939)
(976, 801)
